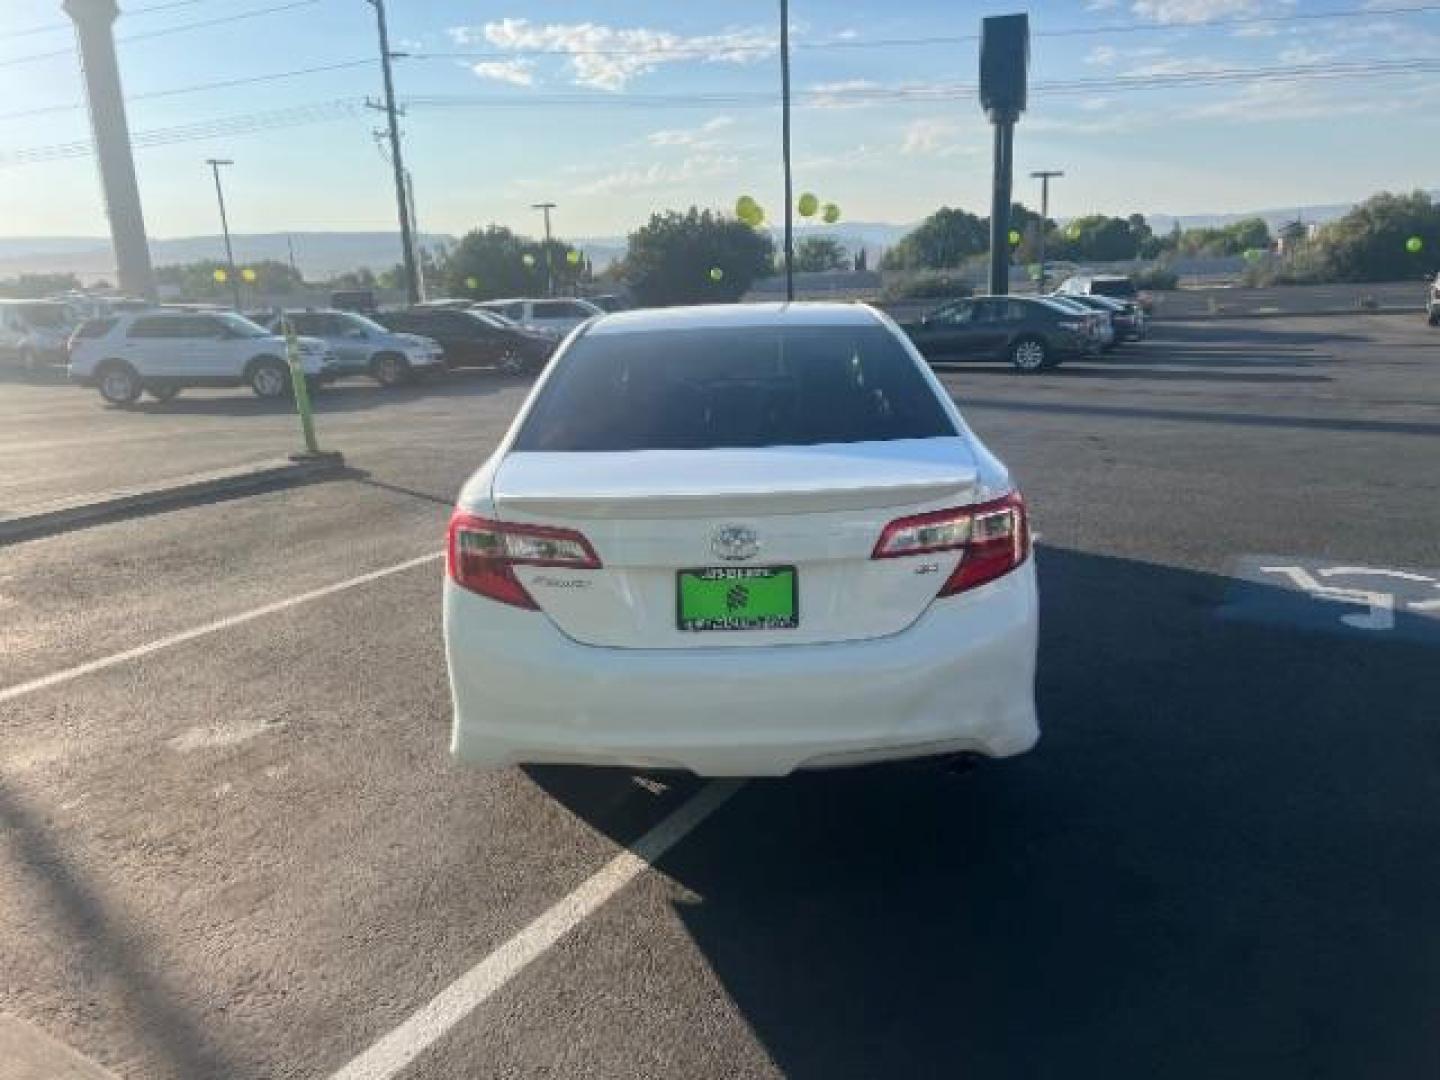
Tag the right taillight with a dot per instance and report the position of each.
(482, 555)
(993, 538)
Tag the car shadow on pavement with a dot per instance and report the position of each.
(1098, 369)
(1245, 335)
(337, 398)
(1202, 416)
(1219, 862)
(105, 959)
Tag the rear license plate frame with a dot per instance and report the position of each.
(738, 575)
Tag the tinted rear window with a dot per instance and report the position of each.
(703, 389)
(1124, 287)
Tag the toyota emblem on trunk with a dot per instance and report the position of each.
(734, 543)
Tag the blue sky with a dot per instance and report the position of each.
(636, 140)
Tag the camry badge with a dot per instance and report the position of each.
(734, 543)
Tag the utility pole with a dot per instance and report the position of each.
(95, 34)
(294, 267)
(415, 235)
(546, 207)
(407, 242)
(215, 164)
(785, 149)
(1044, 176)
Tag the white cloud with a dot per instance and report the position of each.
(515, 72)
(1102, 5)
(1189, 12)
(1104, 55)
(659, 175)
(1302, 54)
(931, 137)
(1095, 104)
(700, 138)
(607, 57)
(1181, 65)
(841, 94)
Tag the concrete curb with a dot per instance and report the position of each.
(1280, 313)
(30, 1054)
(191, 490)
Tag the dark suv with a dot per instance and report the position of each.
(474, 338)
(1030, 333)
(1432, 302)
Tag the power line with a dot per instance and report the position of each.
(350, 108)
(51, 28)
(223, 20)
(194, 88)
(724, 49)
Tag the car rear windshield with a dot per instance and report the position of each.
(1121, 287)
(46, 316)
(706, 389)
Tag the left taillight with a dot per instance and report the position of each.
(993, 538)
(482, 555)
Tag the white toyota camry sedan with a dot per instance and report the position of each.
(740, 540)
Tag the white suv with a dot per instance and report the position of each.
(161, 351)
(557, 317)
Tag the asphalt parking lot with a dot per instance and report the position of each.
(232, 843)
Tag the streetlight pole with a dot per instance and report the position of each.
(785, 149)
(1044, 176)
(546, 207)
(215, 164)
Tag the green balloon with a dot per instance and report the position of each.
(472, 283)
(1414, 245)
(1252, 254)
(1014, 237)
(749, 211)
(572, 257)
(808, 204)
(830, 213)
(528, 259)
(716, 274)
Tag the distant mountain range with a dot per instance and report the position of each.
(322, 255)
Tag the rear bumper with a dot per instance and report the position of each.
(961, 678)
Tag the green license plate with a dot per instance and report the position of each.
(739, 598)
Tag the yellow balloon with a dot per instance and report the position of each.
(1414, 245)
(572, 257)
(528, 259)
(221, 276)
(830, 213)
(472, 283)
(716, 274)
(808, 204)
(249, 275)
(1014, 236)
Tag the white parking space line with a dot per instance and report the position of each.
(395, 1051)
(10, 693)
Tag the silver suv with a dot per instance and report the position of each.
(160, 351)
(364, 347)
(33, 332)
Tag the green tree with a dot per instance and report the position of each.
(196, 280)
(862, 261)
(819, 253)
(1372, 241)
(1100, 238)
(695, 256)
(495, 262)
(944, 239)
(38, 286)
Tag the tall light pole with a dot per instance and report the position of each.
(407, 243)
(94, 32)
(1044, 176)
(785, 149)
(546, 207)
(215, 164)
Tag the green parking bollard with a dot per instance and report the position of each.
(300, 388)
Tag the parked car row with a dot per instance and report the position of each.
(1030, 332)
(162, 350)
